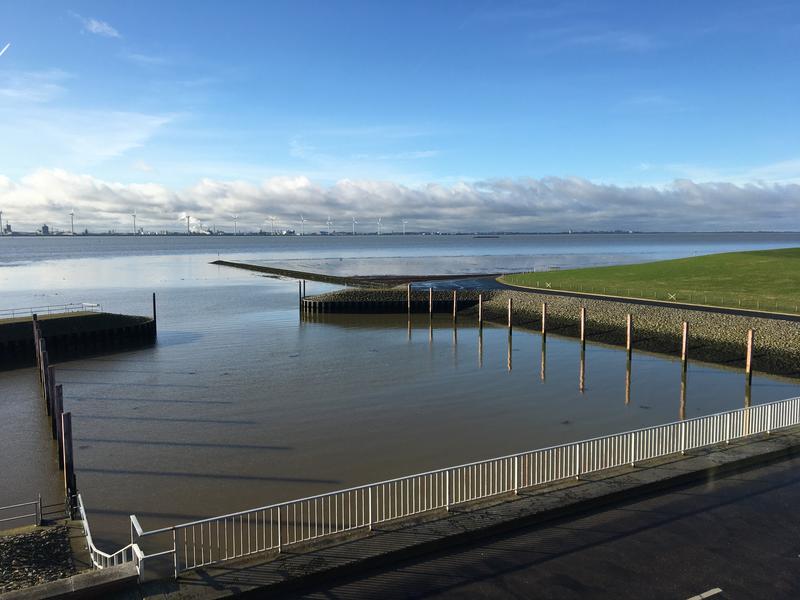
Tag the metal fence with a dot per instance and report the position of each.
(13, 509)
(53, 309)
(272, 528)
(100, 559)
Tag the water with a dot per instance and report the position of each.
(242, 403)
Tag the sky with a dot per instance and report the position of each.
(452, 115)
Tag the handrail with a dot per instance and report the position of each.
(51, 309)
(36, 514)
(100, 559)
(275, 526)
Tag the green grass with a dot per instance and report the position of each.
(762, 279)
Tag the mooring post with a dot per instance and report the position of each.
(408, 296)
(480, 310)
(629, 334)
(544, 318)
(628, 381)
(510, 311)
(748, 367)
(51, 388)
(582, 374)
(155, 315)
(430, 301)
(510, 349)
(583, 326)
(59, 430)
(304, 288)
(69, 465)
(299, 295)
(455, 305)
(685, 344)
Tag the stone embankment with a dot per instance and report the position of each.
(713, 337)
(34, 557)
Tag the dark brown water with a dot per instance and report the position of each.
(242, 403)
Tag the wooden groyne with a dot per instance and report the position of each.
(393, 301)
(71, 336)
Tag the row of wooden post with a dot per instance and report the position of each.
(60, 421)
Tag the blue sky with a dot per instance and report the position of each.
(412, 94)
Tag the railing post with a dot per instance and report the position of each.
(279, 530)
(769, 419)
(683, 437)
(447, 490)
(175, 551)
(728, 428)
(578, 447)
(634, 439)
(369, 491)
(516, 475)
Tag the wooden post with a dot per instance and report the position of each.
(59, 431)
(50, 390)
(304, 288)
(155, 315)
(69, 465)
(430, 301)
(544, 318)
(480, 309)
(455, 305)
(510, 310)
(582, 375)
(510, 350)
(748, 367)
(629, 333)
(408, 296)
(583, 325)
(628, 381)
(685, 344)
(299, 294)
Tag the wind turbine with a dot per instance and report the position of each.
(272, 223)
(72, 221)
(354, 225)
(188, 225)
(302, 225)
(235, 228)
(134, 222)
(404, 226)
(379, 225)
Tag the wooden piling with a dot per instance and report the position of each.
(155, 316)
(685, 344)
(629, 333)
(299, 294)
(304, 288)
(582, 374)
(480, 309)
(69, 465)
(510, 312)
(408, 297)
(583, 326)
(455, 305)
(748, 367)
(59, 425)
(544, 318)
(430, 301)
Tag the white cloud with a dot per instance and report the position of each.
(32, 86)
(546, 204)
(98, 27)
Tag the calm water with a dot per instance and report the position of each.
(242, 403)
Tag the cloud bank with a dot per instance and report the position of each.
(524, 204)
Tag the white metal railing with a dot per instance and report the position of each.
(52, 309)
(36, 515)
(236, 535)
(101, 559)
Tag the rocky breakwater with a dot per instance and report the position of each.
(33, 557)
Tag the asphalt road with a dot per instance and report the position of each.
(735, 537)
